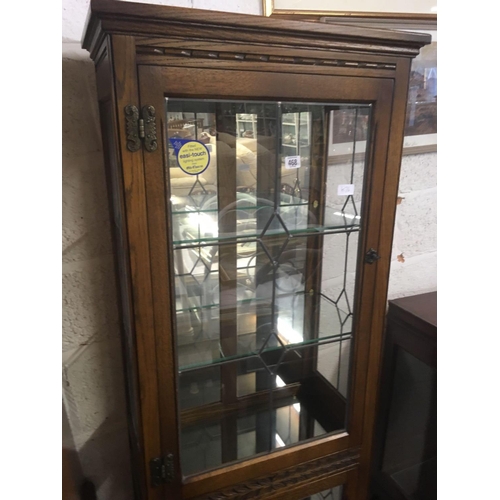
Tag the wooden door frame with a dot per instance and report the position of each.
(154, 83)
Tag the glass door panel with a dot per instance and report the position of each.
(264, 220)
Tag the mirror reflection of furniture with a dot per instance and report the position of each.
(247, 150)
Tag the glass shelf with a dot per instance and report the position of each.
(200, 345)
(207, 203)
(198, 228)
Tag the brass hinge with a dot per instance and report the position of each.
(162, 470)
(141, 128)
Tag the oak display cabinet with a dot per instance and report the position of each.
(252, 258)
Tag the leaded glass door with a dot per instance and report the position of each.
(269, 210)
(264, 252)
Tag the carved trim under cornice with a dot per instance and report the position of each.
(240, 56)
(303, 473)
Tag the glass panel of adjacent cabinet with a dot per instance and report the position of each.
(264, 220)
(331, 494)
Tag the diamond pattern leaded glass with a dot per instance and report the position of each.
(264, 256)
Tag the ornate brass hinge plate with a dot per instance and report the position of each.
(141, 128)
(162, 470)
(132, 128)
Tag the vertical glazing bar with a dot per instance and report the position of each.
(226, 189)
(277, 191)
(299, 115)
(229, 438)
(226, 182)
(353, 159)
(306, 424)
(267, 148)
(316, 209)
(267, 151)
(279, 141)
(354, 144)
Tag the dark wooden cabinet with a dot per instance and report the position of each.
(252, 167)
(405, 452)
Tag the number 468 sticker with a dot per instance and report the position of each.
(292, 162)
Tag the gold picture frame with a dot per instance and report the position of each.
(392, 20)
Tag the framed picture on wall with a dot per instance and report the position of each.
(421, 110)
(349, 127)
(424, 10)
(406, 15)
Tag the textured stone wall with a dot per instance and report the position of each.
(92, 371)
(415, 233)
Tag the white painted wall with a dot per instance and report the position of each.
(93, 393)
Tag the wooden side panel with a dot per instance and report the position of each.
(159, 249)
(116, 197)
(368, 275)
(388, 213)
(126, 92)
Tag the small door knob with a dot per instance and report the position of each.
(371, 256)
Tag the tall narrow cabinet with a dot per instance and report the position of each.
(252, 262)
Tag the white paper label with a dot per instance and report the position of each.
(345, 189)
(292, 162)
